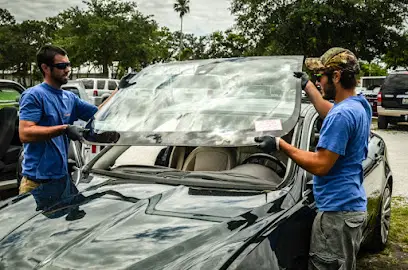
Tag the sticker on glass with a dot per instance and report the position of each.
(268, 125)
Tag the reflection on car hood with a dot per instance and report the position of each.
(141, 226)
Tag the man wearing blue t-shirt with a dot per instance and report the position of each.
(46, 116)
(337, 163)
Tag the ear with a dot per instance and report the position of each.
(44, 67)
(336, 76)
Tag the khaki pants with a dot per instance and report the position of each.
(335, 240)
(27, 185)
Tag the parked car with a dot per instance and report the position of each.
(184, 186)
(10, 144)
(78, 88)
(99, 89)
(371, 94)
(10, 92)
(393, 100)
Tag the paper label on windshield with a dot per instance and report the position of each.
(268, 125)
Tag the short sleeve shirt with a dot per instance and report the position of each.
(345, 131)
(47, 106)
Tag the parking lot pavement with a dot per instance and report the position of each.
(396, 139)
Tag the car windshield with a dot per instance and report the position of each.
(206, 102)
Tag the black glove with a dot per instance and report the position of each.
(303, 77)
(124, 82)
(268, 144)
(75, 133)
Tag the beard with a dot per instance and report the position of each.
(60, 79)
(329, 91)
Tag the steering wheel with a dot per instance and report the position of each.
(265, 159)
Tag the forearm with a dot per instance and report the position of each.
(309, 161)
(322, 106)
(40, 133)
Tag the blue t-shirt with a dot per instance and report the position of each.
(345, 131)
(47, 106)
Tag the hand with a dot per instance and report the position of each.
(303, 77)
(75, 133)
(268, 144)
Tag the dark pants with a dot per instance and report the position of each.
(335, 240)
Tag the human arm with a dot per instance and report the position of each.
(29, 131)
(334, 137)
(31, 112)
(318, 163)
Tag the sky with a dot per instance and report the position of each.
(205, 17)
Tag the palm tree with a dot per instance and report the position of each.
(182, 7)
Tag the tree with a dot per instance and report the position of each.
(397, 55)
(372, 69)
(105, 32)
(6, 18)
(310, 27)
(19, 44)
(6, 36)
(182, 7)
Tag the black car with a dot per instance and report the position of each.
(392, 104)
(10, 145)
(184, 186)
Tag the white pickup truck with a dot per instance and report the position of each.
(99, 89)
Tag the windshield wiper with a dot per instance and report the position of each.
(149, 168)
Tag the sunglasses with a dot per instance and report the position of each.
(318, 76)
(61, 65)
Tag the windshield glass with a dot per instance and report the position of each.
(206, 102)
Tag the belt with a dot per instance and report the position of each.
(41, 181)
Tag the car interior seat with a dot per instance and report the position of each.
(8, 153)
(210, 159)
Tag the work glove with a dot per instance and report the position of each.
(304, 78)
(268, 144)
(75, 133)
(124, 82)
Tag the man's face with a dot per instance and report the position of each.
(327, 85)
(60, 71)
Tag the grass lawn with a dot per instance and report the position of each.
(395, 255)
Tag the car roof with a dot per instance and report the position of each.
(3, 81)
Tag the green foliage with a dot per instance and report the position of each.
(310, 27)
(5, 17)
(397, 55)
(107, 31)
(182, 7)
(19, 44)
(372, 70)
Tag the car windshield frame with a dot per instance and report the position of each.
(225, 118)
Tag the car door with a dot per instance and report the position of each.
(374, 173)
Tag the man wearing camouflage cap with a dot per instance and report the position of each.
(337, 162)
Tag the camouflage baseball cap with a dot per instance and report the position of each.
(334, 58)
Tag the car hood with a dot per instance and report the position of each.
(140, 226)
